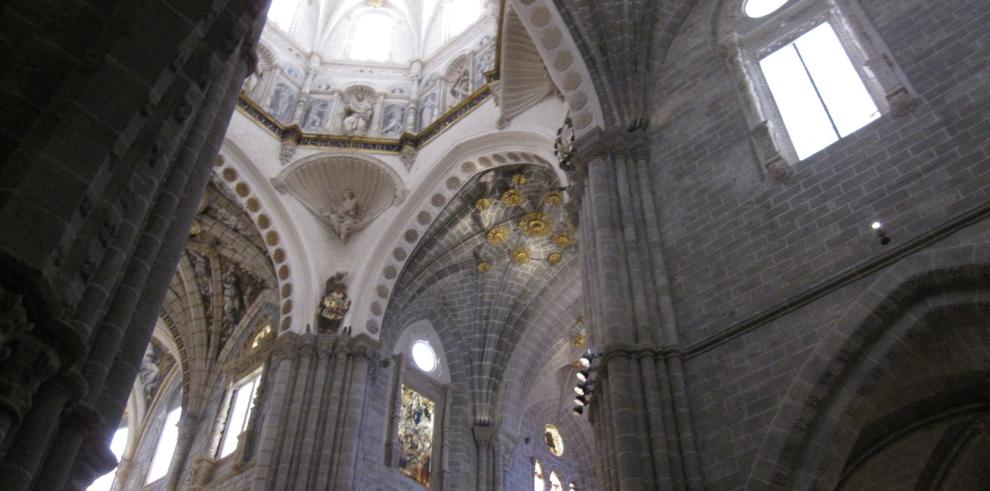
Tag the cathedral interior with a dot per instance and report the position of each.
(559, 245)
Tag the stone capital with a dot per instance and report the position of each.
(484, 433)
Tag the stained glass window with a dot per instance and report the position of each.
(539, 480)
(416, 435)
(555, 484)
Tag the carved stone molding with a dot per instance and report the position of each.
(13, 321)
(346, 191)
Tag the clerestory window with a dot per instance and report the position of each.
(809, 73)
(371, 39)
(240, 406)
(819, 94)
(167, 442)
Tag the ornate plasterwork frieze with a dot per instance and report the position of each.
(375, 145)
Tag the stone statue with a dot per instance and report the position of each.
(344, 217)
(150, 373)
(334, 304)
(357, 117)
(461, 88)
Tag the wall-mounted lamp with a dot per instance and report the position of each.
(881, 233)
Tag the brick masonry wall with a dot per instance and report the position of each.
(738, 244)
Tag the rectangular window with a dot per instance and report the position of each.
(166, 446)
(239, 413)
(416, 435)
(820, 96)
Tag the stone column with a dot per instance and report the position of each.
(416, 75)
(101, 232)
(310, 433)
(484, 440)
(639, 410)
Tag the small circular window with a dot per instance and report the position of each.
(551, 436)
(761, 8)
(423, 356)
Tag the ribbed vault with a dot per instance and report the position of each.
(489, 297)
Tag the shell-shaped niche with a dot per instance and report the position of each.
(347, 192)
(525, 81)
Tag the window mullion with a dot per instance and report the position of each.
(818, 93)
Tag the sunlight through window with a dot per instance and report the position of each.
(761, 8)
(459, 15)
(117, 445)
(241, 405)
(166, 446)
(818, 92)
(424, 357)
(372, 39)
(282, 12)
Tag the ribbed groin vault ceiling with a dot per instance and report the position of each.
(625, 64)
(508, 309)
(223, 281)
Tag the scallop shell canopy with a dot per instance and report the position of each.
(320, 182)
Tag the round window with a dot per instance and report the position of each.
(761, 8)
(551, 436)
(423, 356)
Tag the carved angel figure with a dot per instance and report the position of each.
(345, 215)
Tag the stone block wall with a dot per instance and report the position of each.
(765, 273)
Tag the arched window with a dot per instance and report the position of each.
(555, 484)
(808, 78)
(165, 448)
(371, 38)
(539, 479)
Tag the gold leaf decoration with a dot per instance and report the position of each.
(554, 258)
(513, 197)
(519, 179)
(484, 267)
(565, 239)
(520, 255)
(498, 235)
(483, 204)
(535, 224)
(555, 198)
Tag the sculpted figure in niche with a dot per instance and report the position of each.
(282, 102)
(428, 113)
(393, 123)
(344, 216)
(461, 87)
(150, 373)
(316, 115)
(357, 115)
